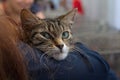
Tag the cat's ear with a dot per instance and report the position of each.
(69, 17)
(28, 19)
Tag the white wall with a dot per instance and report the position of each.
(111, 10)
(117, 14)
(114, 13)
(95, 9)
(103, 10)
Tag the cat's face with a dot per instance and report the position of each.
(52, 36)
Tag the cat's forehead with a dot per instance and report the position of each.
(53, 24)
(53, 20)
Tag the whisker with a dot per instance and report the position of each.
(42, 57)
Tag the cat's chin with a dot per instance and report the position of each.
(60, 56)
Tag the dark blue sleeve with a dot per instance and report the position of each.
(110, 73)
(112, 76)
(35, 8)
(84, 64)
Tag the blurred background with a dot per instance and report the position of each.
(97, 24)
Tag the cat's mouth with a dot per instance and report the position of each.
(56, 53)
(60, 54)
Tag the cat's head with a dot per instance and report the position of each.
(52, 36)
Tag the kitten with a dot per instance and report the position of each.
(52, 36)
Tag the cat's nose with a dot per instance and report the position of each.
(60, 46)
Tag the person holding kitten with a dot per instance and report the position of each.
(48, 50)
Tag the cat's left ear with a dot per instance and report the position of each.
(28, 19)
(69, 17)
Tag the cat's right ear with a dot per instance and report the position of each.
(68, 17)
(28, 19)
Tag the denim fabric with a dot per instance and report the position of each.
(74, 67)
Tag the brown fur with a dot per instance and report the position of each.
(48, 34)
(11, 60)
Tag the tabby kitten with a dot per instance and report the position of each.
(52, 36)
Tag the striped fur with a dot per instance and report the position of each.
(52, 36)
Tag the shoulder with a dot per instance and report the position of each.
(83, 65)
(93, 56)
(99, 64)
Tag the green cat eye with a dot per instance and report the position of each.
(65, 35)
(46, 35)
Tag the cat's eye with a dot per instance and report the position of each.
(46, 35)
(65, 35)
